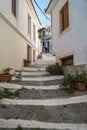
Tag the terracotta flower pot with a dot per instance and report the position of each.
(80, 86)
(27, 63)
(5, 78)
(39, 56)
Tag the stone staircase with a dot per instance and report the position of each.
(42, 105)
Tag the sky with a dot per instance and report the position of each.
(43, 5)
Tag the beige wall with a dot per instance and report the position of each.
(21, 23)
(13, 48)
(14, 35)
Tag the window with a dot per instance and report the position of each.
(67, 60)
(64, 17)
(43, 32)
(34, 32)
(29, 25)
(14, 7)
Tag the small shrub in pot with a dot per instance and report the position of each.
(55, 69)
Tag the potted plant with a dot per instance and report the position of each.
(76, 81)
(80, 81)
(27, 63)
(5, 75)
(39, 56)
(68, 83)
(55, 69)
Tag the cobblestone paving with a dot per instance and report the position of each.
(37, 83)
(73, 113)
(32, 129)
(48, 94)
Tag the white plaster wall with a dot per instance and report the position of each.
(21, 21)
(6, 10)
(40, 46)
(13, 48)
(24, 8)
(74, 39)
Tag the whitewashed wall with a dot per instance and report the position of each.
(13, 48)
(74, 39)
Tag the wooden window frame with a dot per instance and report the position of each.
(64, 17)
(62, 60)
(14, 7)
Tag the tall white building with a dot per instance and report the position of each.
(45, 39)
(69, 30)
(18, 33)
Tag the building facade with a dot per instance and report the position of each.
(18, 33)
(45, 39)
(69, 30)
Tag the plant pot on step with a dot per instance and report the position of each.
(39, 56)
(27, 63)
(80, 86)
(5, 78)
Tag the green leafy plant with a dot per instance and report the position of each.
(69, 81)
(55, 69)
(6, 71)
(18, 75)
(40, 35)
(6, 93)
(80, 77)
(19, 128)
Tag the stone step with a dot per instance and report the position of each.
(33, 69)
(13, 123)
(37, 83)
(40, 78)
(30, 129)
(55, 114)
(16, 86)
(39, 65)
(35, 76)
(42, 92)
(35, 73)
(46, 102)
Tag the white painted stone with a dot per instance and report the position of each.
(46, 102)
(34, 73)
(15, 86)
(13, 123)
(8, 85)
(33, 69)
(40, 78)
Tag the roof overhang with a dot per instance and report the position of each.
(30, 3)
(51, 5)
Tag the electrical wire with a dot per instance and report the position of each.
(41, 10)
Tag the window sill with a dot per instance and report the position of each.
(63, 32)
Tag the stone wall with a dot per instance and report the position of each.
(74, 69)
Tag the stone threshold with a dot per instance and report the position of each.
(33, 69)
(16, 86)
(46, 102)
(13, 123)
(41, 78)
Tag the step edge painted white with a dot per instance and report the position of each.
(15, 86)
(14, 123)
(46, 102)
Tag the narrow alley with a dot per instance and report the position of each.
(42, 104)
